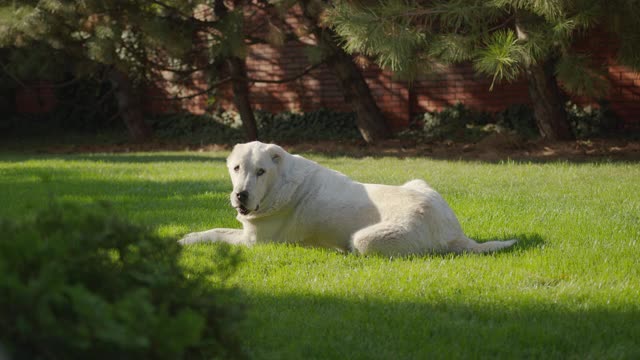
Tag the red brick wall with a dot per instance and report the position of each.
(36, 98)
(400, 100)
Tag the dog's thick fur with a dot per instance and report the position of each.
(286, 198)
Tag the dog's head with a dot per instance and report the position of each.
(254, 169)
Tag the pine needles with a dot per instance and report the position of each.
(502, 38)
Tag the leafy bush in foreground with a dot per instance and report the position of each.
(81, 283)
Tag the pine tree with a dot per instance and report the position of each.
(369, 117)
(504, 39)
(137, 40)
(309, 15)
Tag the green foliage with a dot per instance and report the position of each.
(457, 122)
(371, 28)
(592, 121)
(139, 38)
(501, 57)
(461, 123)
(225, 127)
(576, 75)
(451, 48)
(82, 283)
(501, 37)
(316, 125)
(520, 119)
(216, 127)
(35, 63)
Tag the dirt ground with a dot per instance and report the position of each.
(492, 149)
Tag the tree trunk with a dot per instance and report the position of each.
(240, 86)
(369, 119)
(129, 106)
(548, 104)
(238, 72)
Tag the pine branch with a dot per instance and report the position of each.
(12, 76)
(576, 75)
(501, 57)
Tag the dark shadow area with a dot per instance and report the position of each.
(149, 158)
(154, 203)
(525, 241)
(117, 157)
(528, 241)
(596, 151)
(296, 326)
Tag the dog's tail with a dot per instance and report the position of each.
(486, 247)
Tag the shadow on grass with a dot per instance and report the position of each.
(525, 241)
(119, 158)
(334, 328)
(150, 158)
(604, 151)
(528, 241)
(148, 201)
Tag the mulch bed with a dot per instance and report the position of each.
(489, 149)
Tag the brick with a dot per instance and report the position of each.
(321, 88)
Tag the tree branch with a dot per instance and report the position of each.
(307, 70)
(13, 77)
(205, 91)
(218, 83)
(503, 24)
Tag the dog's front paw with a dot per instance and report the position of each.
(190, 238)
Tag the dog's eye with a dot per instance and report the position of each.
(260, 172)
(236, 168)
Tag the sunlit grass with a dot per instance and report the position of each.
(569, 289)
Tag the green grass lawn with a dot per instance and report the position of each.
(569, 289)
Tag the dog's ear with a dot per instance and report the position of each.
(276, 153)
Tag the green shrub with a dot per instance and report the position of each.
(216, 128)
(518, 118)
(226, 127)
(456, 122)
(82, 283)
(590, 121)
(312, 126)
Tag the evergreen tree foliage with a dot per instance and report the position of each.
(141, 41)
(275, 27)
(110, 33)
(504, 39)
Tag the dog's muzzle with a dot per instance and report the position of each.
(242, 198)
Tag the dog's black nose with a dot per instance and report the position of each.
(242, 196)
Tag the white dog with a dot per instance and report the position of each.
(286, 198)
